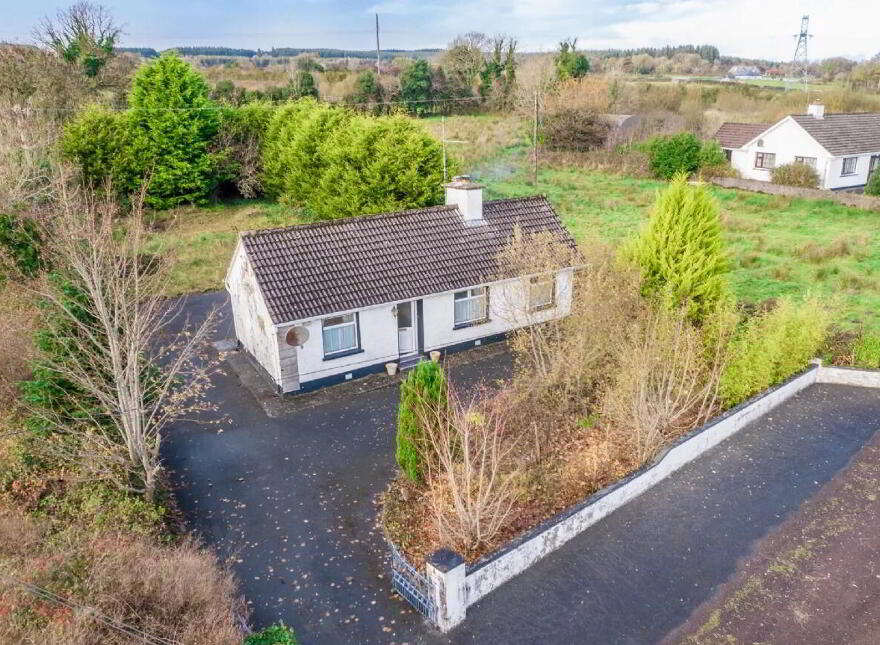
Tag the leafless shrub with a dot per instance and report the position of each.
(184, 594)
(587, 94)
(179, 592)
(136, 373)
(566, 356)
(18, 317)
(26, 139)
(470, 492)
(666, 381)
(573, 129)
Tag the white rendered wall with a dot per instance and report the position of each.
(378, 329)
(253, 325)
(835, 180)
(505, 312)
(787, 140)
(378, 333)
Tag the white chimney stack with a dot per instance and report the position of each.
(816, 110)
(468, 196)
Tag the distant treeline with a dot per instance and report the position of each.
(146, 52)
(278, 52)
(706, 52)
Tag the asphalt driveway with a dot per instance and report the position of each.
(291, 501)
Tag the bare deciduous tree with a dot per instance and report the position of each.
(26, 139)
(133, 372)
(667, 379)
(564, 355)
(471, 491)
(85, 34)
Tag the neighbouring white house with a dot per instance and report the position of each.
(321, 303)
(844, 149)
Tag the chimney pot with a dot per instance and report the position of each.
(467, 195)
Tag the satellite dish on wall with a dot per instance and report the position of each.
(760, 143)
(297, 336)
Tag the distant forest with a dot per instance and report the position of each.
(278, 52)
(706, 52)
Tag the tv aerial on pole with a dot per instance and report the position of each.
(445, 142)
(800, 50)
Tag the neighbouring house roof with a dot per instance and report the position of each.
(318, 269)
(736, 135)
(843, 134)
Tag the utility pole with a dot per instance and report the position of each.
(535, 141)
(800, 50)
(378, 57)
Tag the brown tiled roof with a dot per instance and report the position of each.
(844, 134)
(317, 269)
(736, 135)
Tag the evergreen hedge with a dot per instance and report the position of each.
(425, 386)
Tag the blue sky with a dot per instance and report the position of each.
(758, 28)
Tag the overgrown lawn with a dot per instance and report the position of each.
(202, 239)
(778, 245)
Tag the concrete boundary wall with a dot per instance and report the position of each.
(468, 585)
(552, 535)
(856, 200)
(849, 376)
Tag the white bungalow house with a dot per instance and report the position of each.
(843, 148)
(322, 303)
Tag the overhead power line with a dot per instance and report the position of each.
(215, 108)
(119, 626)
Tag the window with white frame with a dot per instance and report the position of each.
(849, 165)
(765, 160)
(542, 292)
(340, 334)
(471, 306)
(808, 161)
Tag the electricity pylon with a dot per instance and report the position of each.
(800, 50)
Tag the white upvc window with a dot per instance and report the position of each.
(809, 161)
(849, 165)
(542, 292)
(340, 334)
(471, 306)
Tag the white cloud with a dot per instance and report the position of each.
(752, 28)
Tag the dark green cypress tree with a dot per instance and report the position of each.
(424, 388)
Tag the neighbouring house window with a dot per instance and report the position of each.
(849, 165)
(765, 160)
(810, 161)
(875, 163)
(728, 154)
(340, 334)
(471, 305)
(542, 292)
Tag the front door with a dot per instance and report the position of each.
(406, 328)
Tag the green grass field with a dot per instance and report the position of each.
(200, 241)
(777, 245)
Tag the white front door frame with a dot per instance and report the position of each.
(407, 340)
